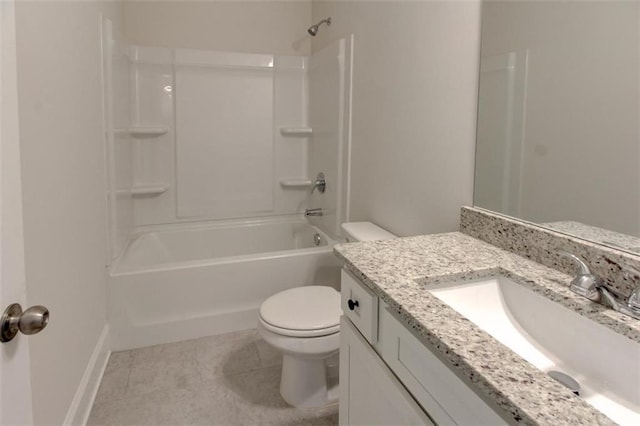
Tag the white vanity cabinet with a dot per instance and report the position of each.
(369, 392)
(387, 376)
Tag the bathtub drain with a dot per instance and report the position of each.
(317, 239)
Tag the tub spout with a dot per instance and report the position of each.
(313, 212)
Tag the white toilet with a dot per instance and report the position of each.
(304, 323)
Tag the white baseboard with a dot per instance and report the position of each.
(128, 336)
(80, 408)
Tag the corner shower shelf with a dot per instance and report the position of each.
(148, 131)
(295, 183)
(296, 131)
(151, 189)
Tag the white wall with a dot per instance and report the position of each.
(581, 132)
(414, 109)
(263, 26)
(61, 129)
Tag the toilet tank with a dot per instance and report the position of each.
(365, 231)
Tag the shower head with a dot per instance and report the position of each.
(313, 30)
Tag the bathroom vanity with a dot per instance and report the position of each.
(407, 357)
(383, 364)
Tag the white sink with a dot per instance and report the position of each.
(552, 337)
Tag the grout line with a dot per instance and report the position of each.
(126, 385)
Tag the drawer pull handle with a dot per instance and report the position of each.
(352, 304)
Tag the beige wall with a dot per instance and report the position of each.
(62, 148)
(414, 109)
(278, 27)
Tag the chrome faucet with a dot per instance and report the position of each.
(313, 212)
(585, 283)
(320, 183)
(589, 285)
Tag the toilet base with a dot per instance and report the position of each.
(309, 367)
(304, 382)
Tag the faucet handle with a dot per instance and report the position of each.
(585, 283)
(583, 268)
(320, 183)
(634, 299)
(631, 273)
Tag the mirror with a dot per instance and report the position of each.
(558, 117)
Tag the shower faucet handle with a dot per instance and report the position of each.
(320, 183)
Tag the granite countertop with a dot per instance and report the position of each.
(397, 270)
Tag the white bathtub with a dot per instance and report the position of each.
(185, 282)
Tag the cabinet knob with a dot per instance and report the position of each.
(353, 304)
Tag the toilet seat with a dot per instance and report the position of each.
(300, 333)
(310, 311)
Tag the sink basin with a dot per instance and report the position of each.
(552, 337)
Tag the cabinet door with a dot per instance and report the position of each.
(447, 399)
(369, 393)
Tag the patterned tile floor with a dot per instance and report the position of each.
(229, 379)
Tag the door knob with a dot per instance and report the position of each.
(31, 321)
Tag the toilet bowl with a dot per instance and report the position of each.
(304, 323)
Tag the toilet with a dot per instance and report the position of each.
(304, 323)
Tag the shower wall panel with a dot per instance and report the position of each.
(224, 126)
(116, 65)
(330, 116)
(154, 165)
(291, 102)
(215, 149)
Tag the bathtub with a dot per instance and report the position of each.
(183, 282)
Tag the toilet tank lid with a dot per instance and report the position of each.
(366, 231)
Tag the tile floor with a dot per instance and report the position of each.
(229, 379)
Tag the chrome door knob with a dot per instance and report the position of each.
(31, 321)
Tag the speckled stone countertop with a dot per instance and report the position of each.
(398, 270)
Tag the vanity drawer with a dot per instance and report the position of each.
(360, 305)
(440, 392)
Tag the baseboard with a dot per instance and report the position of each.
(80, 408)
(128, 336)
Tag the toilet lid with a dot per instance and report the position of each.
(309, 308)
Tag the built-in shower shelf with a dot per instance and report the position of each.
(295, 183)
(296, 131)
(151, 189)
(148, 131)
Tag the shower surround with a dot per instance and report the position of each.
(216, 160)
